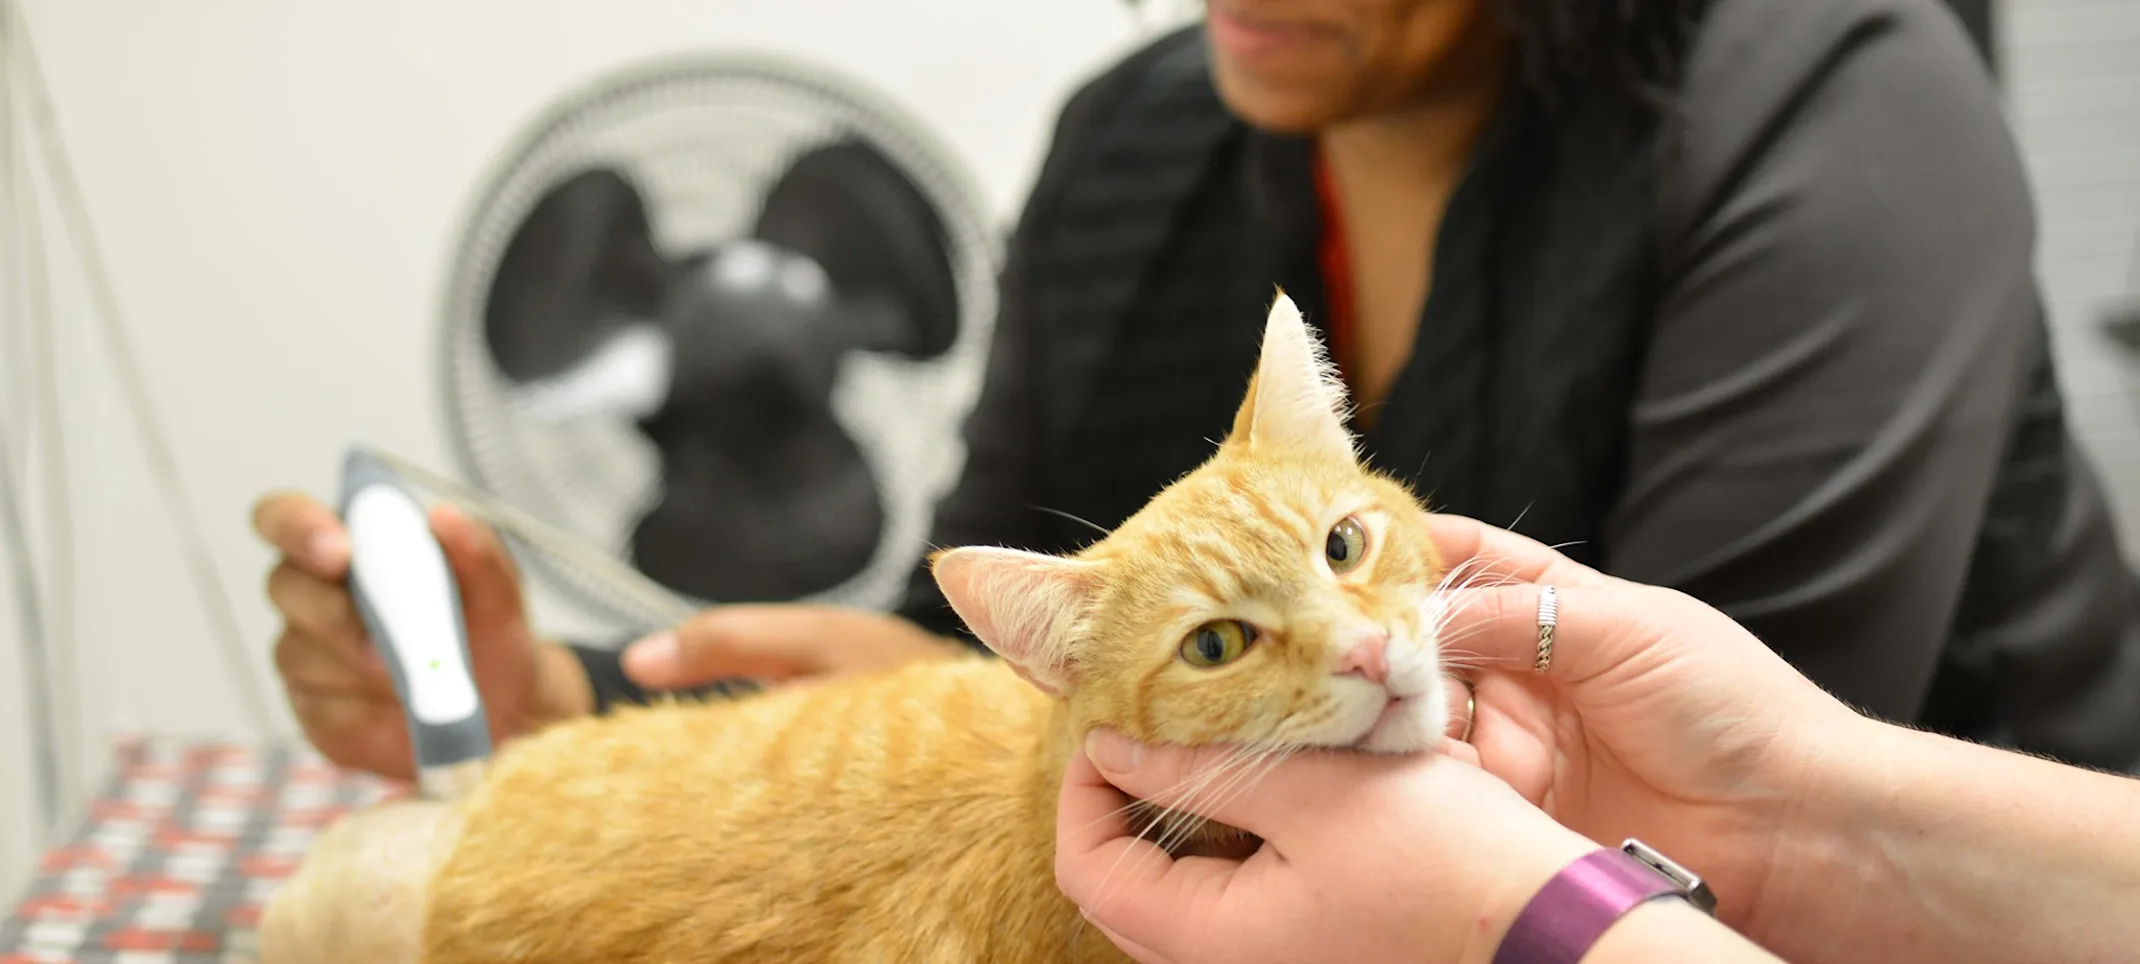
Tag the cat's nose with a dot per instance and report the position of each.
(1368, 656)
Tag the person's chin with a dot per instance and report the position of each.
(1268, 106)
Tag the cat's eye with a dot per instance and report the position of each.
(1217, 643)
(1345, 546)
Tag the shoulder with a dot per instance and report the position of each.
(1753, 58)
(1762, 76)
(1120, 97)
(1163, 60)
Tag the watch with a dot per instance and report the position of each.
(1575, 908)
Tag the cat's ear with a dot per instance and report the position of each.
(1296, 402)
(1025, 606)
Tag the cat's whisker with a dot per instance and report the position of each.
(1482, 578)
(1255, 772)
(1458, 572)
(1246, 778)
(1218, 774)
(1239, 759)
(1480, 662)
(1111, 814)
(1447, 639)
(1190, 786)
(1096, 527)
(1132, 805)
(1195, 822)
(1472, 665)
(1454, 652)
(1464, 578)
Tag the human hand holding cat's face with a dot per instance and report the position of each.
(1365, 858)
(1658, 718)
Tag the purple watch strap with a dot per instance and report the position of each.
(1574, 909)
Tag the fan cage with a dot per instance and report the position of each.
(700, 138)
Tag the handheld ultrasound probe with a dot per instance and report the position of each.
(411, 605)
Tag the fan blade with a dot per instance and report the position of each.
(851, 210)
(628, 376)
(582, 261)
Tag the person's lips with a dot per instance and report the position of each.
(1247, 36)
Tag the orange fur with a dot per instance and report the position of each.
(911, 816)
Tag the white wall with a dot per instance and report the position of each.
(275, 184)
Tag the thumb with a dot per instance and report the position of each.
(730, 642)
(488, 578)
(1208, 781)
(1143, 899)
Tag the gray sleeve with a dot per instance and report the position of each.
(1847, 296)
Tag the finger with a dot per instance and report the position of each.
(323, 642)
(310, 663)
(1137, 952)
(489, 580)
(308, 533)
(731, 642)
(1461, 710)
(357, 733)
(1112, 875)
(1474, 554)
(312, 605)
(1463, 753)
(1275, 807)
(1596, 628)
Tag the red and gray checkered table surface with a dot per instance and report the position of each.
(173, 861)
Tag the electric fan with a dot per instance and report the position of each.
(722, 319)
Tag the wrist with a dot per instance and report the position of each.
(1524, 870)
(1673, 930)
(1824, 865)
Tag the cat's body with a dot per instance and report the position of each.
(1279, 597)
(908, 817)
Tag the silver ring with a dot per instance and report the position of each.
(1548, 618)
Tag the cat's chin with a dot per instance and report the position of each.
(1412, 724)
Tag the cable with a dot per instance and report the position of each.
(44, 745)
(663, 602)
(20, 379)
(200, 562)
(61, 641)
(22, 562)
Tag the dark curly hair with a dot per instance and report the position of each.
(1633, 47)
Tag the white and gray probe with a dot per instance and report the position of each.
(411, 605)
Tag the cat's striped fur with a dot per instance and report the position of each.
(911, 816)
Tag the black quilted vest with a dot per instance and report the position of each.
(1151, 284)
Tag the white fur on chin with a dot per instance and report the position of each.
(1420, 721)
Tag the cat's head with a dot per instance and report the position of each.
(1281, 594)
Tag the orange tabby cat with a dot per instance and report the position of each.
(1280, 596)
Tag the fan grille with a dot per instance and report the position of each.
(702, 139)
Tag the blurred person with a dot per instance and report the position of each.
(1733, 298)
